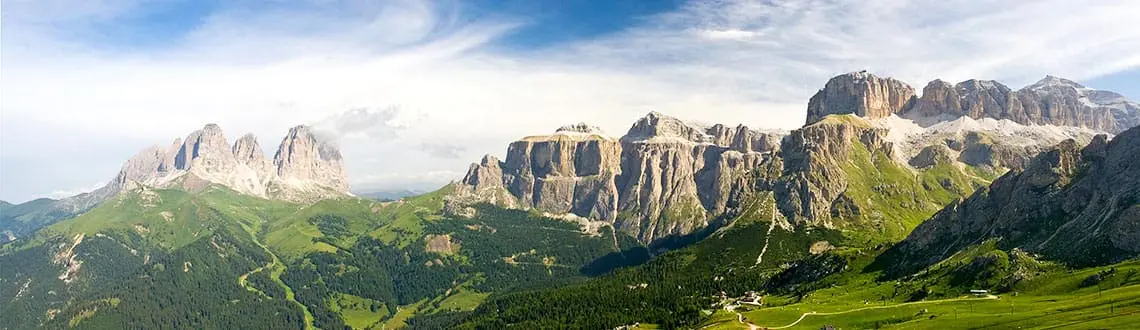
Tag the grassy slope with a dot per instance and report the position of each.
(894, 199)
(1057, 299)
(358, 312)
(161, 221)
(400, 222)
(1040, 294)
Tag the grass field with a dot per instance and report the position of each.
(1058, 299)
(1117, 308)
(402, 314)
(358, 312)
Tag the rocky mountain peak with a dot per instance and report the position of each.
(658, 127)
(142, 166)
(247, 151)
(308, 163)
(580, 128)
(860, 93)
(207, 146)
(247, 147)
(982, 85)
(1051, 81)
(212, 129)
(489, 160)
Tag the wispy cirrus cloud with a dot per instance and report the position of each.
(264, 68)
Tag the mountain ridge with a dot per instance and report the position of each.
(1051, 100)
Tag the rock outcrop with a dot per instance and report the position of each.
(247, 151)
(663, 177)
(676, 177)
(862, 94)
(814, 175)
(1077, 206)
(570, 171)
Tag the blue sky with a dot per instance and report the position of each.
(553, 22)
(87, 83)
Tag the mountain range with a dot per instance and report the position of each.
(1050, 101)
(667, 177)
(883, 195)
(303, 169)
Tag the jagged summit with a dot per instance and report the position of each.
(307, 165)
(860, 93)
(579, 131)
(1050, 101)
(248, 151)
(1054, 81)
(658, 127)
(580, 128)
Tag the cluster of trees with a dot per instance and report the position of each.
(177, 289)
(25, 280)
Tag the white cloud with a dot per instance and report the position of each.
(730, 34)
(75, 190)
(717, 61)
(365, 123)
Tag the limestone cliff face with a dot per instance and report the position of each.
(1073, 205)
(663, 177)
(247, 151)
(677, 177)
(207, 151)
(813, 176)
(1126, 112)
(938, 98)
(1060, 101)
(570, 171)
(308, 168)
(305, 169)
(862, 94)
